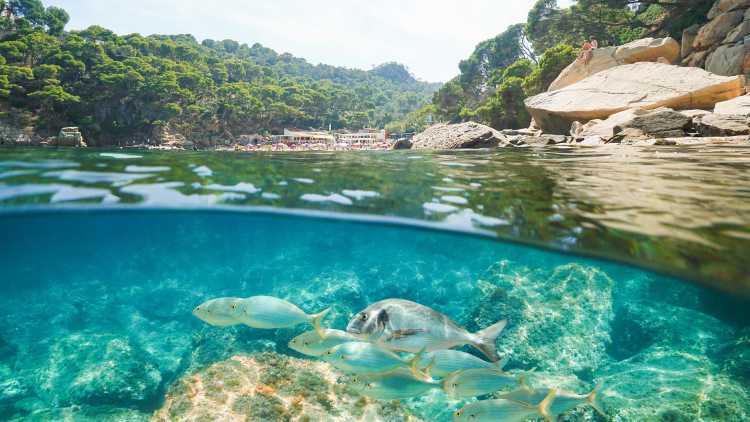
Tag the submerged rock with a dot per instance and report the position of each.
(271, 387)
(99, 369)
(663, 384)
(733, 357)
(559, 321)
(458, 136)
(638, 85)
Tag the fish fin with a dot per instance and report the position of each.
(543, 407)
(523, 382)
(485, 339)
(404, 333)
(501, 363)
(414, 366)
(315, 321)
(592, 400)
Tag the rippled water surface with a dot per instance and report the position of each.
(104, 254)
(682, 210)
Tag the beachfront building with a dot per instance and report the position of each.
(304, 137)
(363, 138)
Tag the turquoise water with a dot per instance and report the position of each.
(100, 272)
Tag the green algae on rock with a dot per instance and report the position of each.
(271, 387)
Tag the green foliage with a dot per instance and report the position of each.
(526, 58)
(126, 86)
(552, 62)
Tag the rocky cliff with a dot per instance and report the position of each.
(722, 46)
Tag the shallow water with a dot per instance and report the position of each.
(96, 298)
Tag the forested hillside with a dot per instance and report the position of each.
(123, 87)
(527, 57)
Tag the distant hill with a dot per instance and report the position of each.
(124, 87)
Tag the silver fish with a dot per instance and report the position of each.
(404, 326)
(312, 344)
(560, 402)
(501, 410)
(367, 358)
(258, 312)
(222, 312)
(477, 382)
(445, 362)
(398, 384)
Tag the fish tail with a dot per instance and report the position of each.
(543, 407)
(592, 399)
(422, 374)
(315, 320)
(501, 363)
(485, 340)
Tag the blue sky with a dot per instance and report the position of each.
(429, 36)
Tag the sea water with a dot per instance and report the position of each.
(103, 257)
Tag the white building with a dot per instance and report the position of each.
(364, 137)
(303, 137)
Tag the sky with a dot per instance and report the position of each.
(429, 36)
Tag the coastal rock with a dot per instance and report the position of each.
(717, 29)
(271, 387)
(606, 128)
(734, 357)
(402, 144)
(68, 137)
(639, 85)
(662, 123)
(723, 6)
(722, 125)
(688, 36)
(458, 136)
(738, 106)
(559, 319)
(12, 135)
(696, 58)
(727, 60)
(739, 33)
(98, 369)
(643, 50)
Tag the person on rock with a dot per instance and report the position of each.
(587, 50)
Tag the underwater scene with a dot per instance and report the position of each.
(144, 286)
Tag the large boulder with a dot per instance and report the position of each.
(737, 106)
(639, 85)
(647, 49)
(715, 31)
(723, 6)
(722, 125)
(663, 123)
(727, 60)
(688, 36)
(458, 136)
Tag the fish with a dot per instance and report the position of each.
(311, 343)
(449, 361)
(366, 358)
(477, 382)
(501, 410)
(561, 402)
(404, 326)
(264, 312)
(398, 384)
(222, 312)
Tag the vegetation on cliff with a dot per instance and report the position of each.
(526, 58)
(124, 87)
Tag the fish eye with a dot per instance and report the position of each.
(234, 306)
(459, 413)
(454, 385)
(363, 317)
(307, 343)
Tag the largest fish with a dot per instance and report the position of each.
(404, 326)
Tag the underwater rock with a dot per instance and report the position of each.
(99, 369)
(662, 384)
(83, 414)
(7, 350)
(559, 321)
(734, 357)
(271, 387)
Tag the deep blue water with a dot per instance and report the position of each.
(104, 255)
